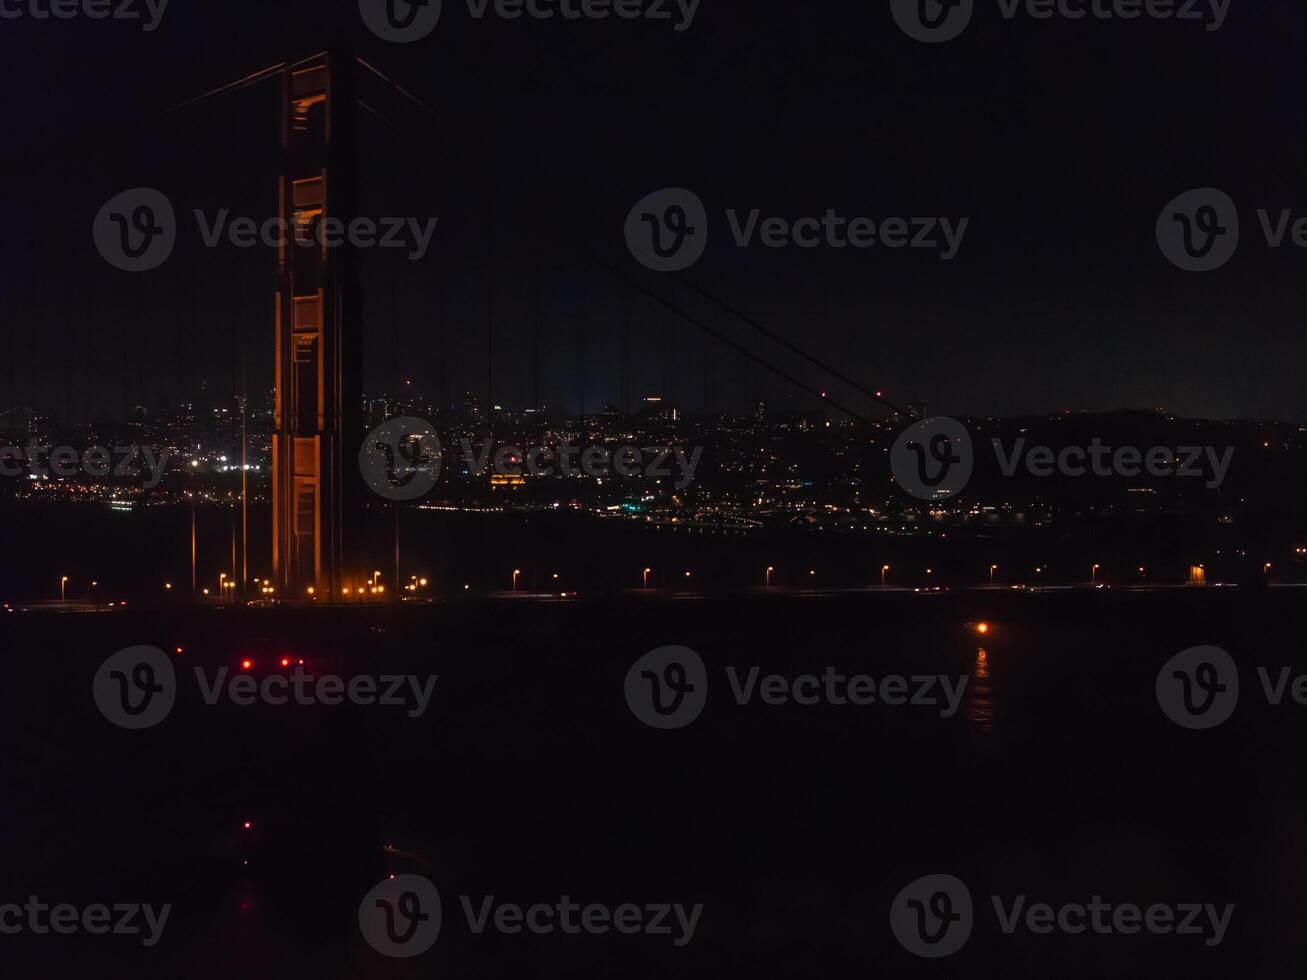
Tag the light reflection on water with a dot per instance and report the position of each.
(980, 695)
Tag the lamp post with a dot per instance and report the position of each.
(646, 578)
(62, 590)
(516, 573)
(1093, 574)
(770, 569)
(991, 573)
(883, 570)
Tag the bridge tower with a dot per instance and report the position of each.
(316, 486)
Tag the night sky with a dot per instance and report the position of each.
(1060, 140)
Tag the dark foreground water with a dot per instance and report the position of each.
(529, 778)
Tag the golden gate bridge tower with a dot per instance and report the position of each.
(316, 488)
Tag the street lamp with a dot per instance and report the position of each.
(62, 591)
(770, 569)
(516, 573)
(991, 573)
(883, 570)
(1093, 574)
(646, 578)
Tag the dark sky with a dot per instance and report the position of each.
(1060, 141)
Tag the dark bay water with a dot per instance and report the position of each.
(529, 777)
